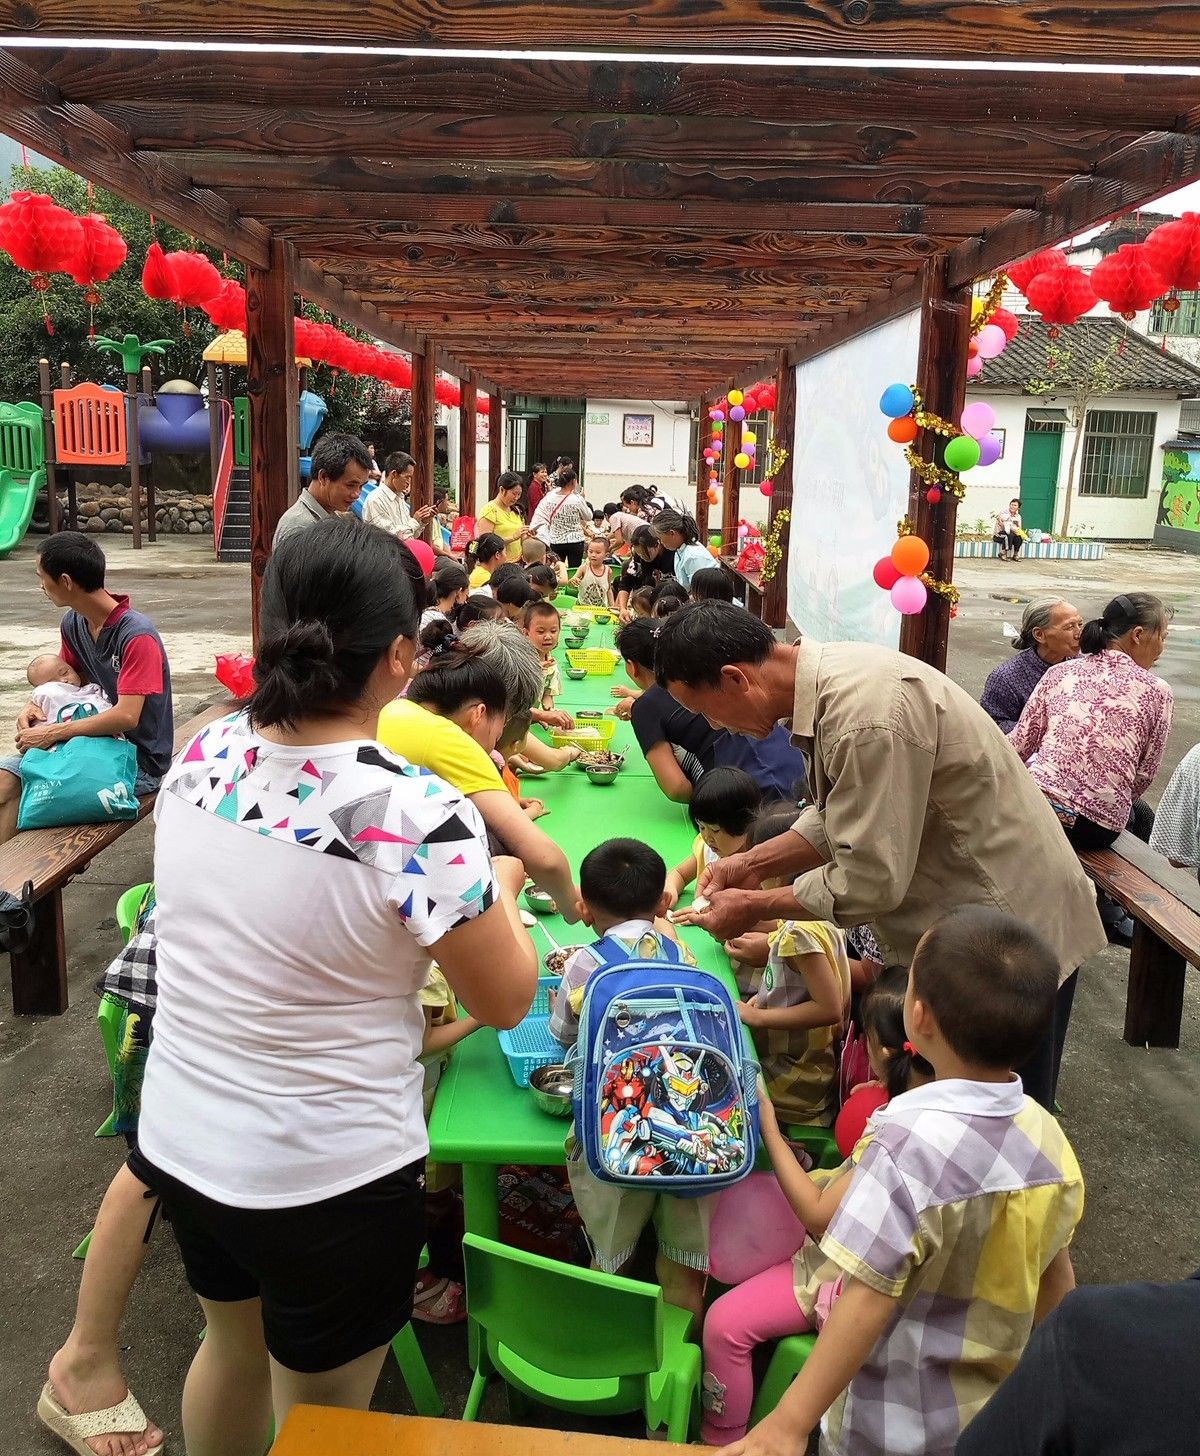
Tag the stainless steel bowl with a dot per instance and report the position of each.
(555, 960)
(601, 773)
(551, 1088)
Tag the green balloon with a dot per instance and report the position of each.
(962, 453)
(714, 540)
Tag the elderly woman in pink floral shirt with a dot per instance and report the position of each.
(1094, 728)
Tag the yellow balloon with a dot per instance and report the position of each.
(735, 396)
(749, 437)
(741, 460)
(976, 307)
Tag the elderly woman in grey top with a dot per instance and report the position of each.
(1049, 635)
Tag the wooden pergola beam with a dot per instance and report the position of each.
(1112, 31)
(377, 133)
(329, 293)
(422, 266)
(527, 86)
(73, 136)
(358, 205)
(742, 183)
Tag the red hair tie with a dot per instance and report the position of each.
(911, 1050)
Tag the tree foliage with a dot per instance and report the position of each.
(1078, 382)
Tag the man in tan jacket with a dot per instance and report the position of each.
(919, 803)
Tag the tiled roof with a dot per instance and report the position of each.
(1140, 366)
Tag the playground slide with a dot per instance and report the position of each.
(16, 507)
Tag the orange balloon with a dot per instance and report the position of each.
(903, 430)
(715, 552)
(712, 497)
(910, 556)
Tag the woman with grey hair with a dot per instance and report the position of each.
(516, 660)
(1049, 635)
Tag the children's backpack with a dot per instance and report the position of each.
(664, 1095)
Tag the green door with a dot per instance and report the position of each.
(1039, 473)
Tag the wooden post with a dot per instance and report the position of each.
(214, 423)
(495, 440)
(271, 388)
(774, 605)
(468, 414)
(703, 435)
(47, 398)
(424, 406)
(731, 499)
(151, 508)
(942, 381)
(64, 370)
(135, 463)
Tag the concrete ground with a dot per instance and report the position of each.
(1131, 1114)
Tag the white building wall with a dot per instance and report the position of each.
(1103, 517)
(609, 465)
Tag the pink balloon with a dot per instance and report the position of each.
(716, 414)
(909, 595)
(991, 340)
(424, 554)
(974, 367)
(977, 419)
(766, 488)
(989, 450)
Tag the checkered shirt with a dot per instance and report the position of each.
(963, 1197)
(134, 973)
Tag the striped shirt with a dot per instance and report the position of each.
(963, 1197)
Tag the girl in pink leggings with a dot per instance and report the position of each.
(765, 1231)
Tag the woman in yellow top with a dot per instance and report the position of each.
(500, 516)
(450, 723)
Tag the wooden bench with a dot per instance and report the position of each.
(1165, 904)
(50, 859)
(747, 584)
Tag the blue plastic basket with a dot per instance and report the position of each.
(529, 1044)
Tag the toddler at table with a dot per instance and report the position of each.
(622, 894)
(764, 1230)
(544, 581)
(722, 810)
(798, 1005)
(541, 623)
(953, 1234)
(593, 577)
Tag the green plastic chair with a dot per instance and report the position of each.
(786, 1363)
(108, 1013)
(818, 1142)
(127, 909)
(407, 1352)
(578, 1340)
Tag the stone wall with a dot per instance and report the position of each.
(181, 513)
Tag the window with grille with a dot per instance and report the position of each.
(1185, 321)
(760, 423)
(1117, 450)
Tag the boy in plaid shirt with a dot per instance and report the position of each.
(953, 1233)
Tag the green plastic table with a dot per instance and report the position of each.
(481, 1118)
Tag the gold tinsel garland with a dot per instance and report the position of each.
(772, 550)
(990, 304)
(776, 455)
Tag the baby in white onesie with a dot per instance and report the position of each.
(57, 686)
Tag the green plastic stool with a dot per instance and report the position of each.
(127, 909)
(818, 1142)
(108, 1014)
(786, 1363)
(408, 1355)
(578, 1340)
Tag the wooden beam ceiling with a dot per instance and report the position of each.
(1112, 31)
(591, 226)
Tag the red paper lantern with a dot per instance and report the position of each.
(1020, 275)
(1006, 322)
(195, 280)
(1127, 280)
(40, 237)
(101, 253)
(227, 307)
(157, 279)
(1061, 295)
(1174, 251)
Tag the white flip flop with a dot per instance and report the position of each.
(125, 1418)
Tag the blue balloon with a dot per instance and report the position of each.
(896, 401)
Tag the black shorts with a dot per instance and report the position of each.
(335, 1278)
(570, 551)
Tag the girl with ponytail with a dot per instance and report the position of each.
(765, 1233)
(1094, 728)
(483, 556)
(680, 534)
